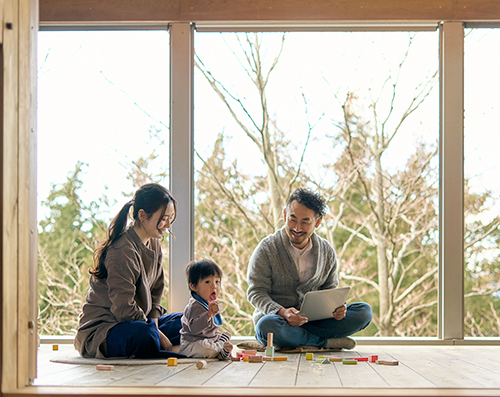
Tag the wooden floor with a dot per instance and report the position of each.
(440, 370)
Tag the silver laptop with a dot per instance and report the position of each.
(318, 305)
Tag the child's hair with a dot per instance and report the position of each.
(198, 270)
(150, 197)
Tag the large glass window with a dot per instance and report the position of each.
(482, 185)
(352, 115)
(103, 111)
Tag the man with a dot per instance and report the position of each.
(288, 264)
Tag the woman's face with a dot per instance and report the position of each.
(152, 228)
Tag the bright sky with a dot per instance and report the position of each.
(100, 92)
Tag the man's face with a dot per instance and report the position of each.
(300, 223)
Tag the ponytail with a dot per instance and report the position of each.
(115, 230)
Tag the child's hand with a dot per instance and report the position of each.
(214, 307)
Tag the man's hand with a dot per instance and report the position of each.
(339, 312)
(292, 317)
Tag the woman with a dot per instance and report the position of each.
(122, 315)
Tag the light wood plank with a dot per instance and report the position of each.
(313, 374)
(475, 353)
(360, 375)
(150, 375)
(477, 367)
(33, 202)
(26, 357)
(430, 365)
(395, 376)
(278, 373)
(9, 192)
(121, 375)
(193, 376)
(66, 378)
(237, 374)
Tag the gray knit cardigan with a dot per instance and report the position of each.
(273, 279)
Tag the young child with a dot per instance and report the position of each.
(200, 336)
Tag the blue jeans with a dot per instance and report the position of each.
(141, 339)
(314, 333)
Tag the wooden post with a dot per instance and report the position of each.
(18, 112)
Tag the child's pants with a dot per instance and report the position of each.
(204, 348)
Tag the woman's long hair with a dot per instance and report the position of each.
(150, 197)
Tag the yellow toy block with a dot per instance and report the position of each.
(280, 358)
(309, 356)
(55, 347)
(172, 361)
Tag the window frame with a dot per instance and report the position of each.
(451, 134)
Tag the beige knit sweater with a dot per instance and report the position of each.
(273, 279)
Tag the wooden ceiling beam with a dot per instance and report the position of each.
(137, 11)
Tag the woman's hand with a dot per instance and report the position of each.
(165, 342)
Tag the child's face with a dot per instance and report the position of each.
(208, 288)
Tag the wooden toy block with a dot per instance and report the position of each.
(325, 361)
(361, 358)
(270, 339)
(322, 357)
(172, 361)
(104, 367)
(240, 355)
(237, 358)
(201, 364)
(349, 362)
(249, 352)
(270, 351)
(387, 362)
(280, 358)
(245, 358)
(335, 359)
(254, 359)
(266, 358)
(309, 356)
(55, 347)
(373, 358)
(319, 360)
(219, 307)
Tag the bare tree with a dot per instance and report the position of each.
(260, 128)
